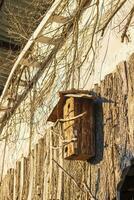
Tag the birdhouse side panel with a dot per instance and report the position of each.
(88, 136)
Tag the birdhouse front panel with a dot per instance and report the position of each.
(78, 128)
(71, 128)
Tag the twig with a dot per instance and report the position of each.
(72, 178)
(74, 181)
(70, 119)
(111, 17)
(64, 142)
(124, 34)
(89, 191)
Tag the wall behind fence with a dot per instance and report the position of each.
(44, 174)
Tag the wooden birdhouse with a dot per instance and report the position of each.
(76, 108)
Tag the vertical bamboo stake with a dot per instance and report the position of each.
(31, 175)
(50, 167)
(14, 183)
(60, 178)
(3, 159)
(17, 181)
(21, 177)
(46, 170)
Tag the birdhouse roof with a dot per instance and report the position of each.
(57, 112)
